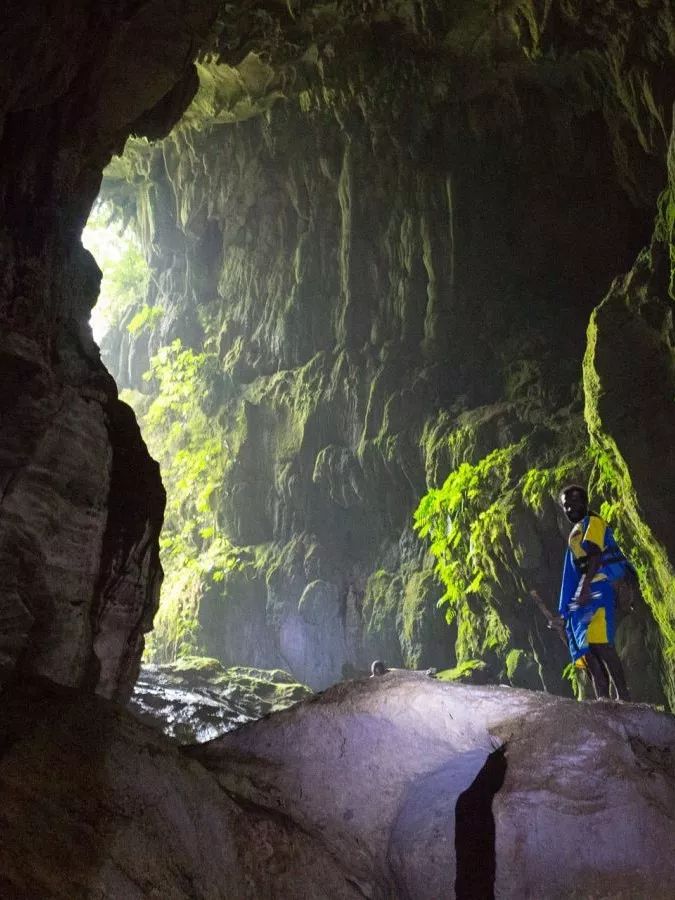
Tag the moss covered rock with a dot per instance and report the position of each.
(196, 698)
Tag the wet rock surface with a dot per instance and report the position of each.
(390, 787)
(196, 700)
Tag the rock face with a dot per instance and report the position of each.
(81, 502)
(110, 809)
(630, 384)
(392, 270)
(196, 700)
(391, 787)
(421, 758)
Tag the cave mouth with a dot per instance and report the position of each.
(168, 377)
(125, 272)
(475, 834)
(344, 359)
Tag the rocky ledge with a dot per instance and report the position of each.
(398, 786)
(196, 699)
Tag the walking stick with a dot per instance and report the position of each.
(548, 615)
(552, 624)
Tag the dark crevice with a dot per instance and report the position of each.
(475, 831)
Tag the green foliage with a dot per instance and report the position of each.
(540, 485)
(463, 670)
(187, 444)
(468, 524)
(465, 520)
(125, 271)
(481, 525)
(146, 318)
(573, 674)
(513, 660)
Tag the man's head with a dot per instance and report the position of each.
(574, 501)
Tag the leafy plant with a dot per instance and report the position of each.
(125, 271)
(187, 444)
(146, 318)
(465, 520)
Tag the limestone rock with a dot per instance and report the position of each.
(77, 537)
(629, 379)
(391, 787)
(582, 806)
(81, 503)
(95, 804)
(196, 699)
(393, 269)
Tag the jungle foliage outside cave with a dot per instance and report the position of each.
(179, 434)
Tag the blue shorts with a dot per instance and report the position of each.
(594, 623)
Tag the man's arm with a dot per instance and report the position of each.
(583, 593)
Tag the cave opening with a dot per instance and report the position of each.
(342, 364)
(169, 384)
(394, 271)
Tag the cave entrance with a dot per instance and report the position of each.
(167, 379)
(117, 250)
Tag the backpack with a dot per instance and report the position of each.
(621, 575)
(627, 593)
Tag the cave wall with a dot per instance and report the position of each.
(81, 501)
(392, 225)
(629, 380)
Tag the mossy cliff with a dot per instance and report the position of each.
(629, 381)
(387, 226)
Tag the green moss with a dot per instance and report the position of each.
(203, 664)
(665, 232)
(184, 439)
(465, 670)
(145, 319)
(612, 479)
(381, 615)
(271, 689)
(424, 642)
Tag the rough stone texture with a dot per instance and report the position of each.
(196, 699)
(395, 266)
(81, 501)
(383, 217)
(95, 804)
(400, 751)
(630, 390)
(385, 788)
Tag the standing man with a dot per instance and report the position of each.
(587, 600)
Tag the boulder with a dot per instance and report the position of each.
(197, 699)
(390, 787)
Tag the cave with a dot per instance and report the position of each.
(388, 275)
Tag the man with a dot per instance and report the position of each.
(587, 602)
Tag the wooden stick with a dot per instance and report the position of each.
(548, 615)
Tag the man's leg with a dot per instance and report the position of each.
(610, 658)
(598, 672)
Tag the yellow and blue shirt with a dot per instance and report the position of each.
(593, 623)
